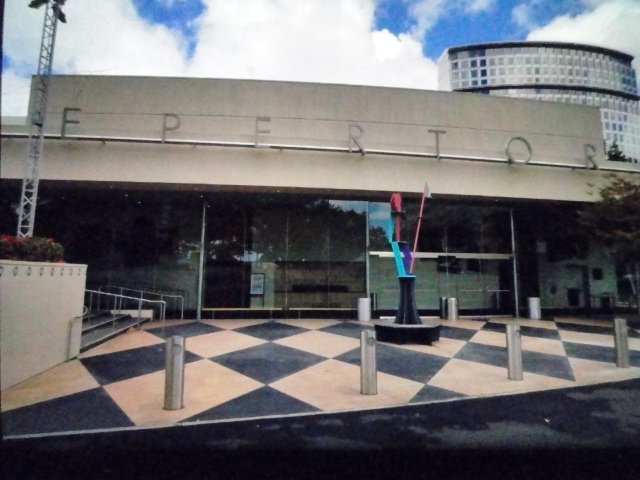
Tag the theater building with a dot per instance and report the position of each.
(260, 198)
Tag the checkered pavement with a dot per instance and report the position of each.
(253, 368)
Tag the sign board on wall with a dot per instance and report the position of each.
(257, 284)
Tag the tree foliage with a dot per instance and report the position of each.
(614, 154)
(615, 218)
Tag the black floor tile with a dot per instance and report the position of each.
(89, 410)
(271, 330)
(533, 362)
(487, 354)
(576, 327)
(539, 332)
(524, 330)
(599, 353)
(495, 327)
(457, 333)
(590, 352)
(262, 402)
(347, 329)
(400, 362)
(430, 394)
(268, 362)
(546, 364)
(186, 330)
(117, 366)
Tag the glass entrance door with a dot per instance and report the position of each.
(284, 252)
(226, 269)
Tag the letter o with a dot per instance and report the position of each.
(507, 150)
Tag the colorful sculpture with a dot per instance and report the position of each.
(407, 313)
(408, 326)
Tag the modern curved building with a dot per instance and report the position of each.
(556, 72)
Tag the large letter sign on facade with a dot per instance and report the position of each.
(589, 156)
(437, 134)
(507, 149)
(355, 133)
(166, 128)
(66, 121)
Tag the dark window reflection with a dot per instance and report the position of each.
(306, 253)
(447, 228)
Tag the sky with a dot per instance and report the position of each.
(393, 43)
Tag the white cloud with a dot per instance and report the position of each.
(98, 38)
(15, 93)
(477, 6)
(612, 24)
(426, 14)
(522, 15)
(307, 41)
(110, 38)
(312, 40)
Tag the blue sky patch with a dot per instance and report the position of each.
(460, 27)
(177, 15)
(393, 15)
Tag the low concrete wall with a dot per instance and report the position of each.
(37, 302)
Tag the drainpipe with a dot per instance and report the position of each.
(201, 263)
(515, 265)
(637, 286)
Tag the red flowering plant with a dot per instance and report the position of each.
(34, 249)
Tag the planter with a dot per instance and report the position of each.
(38, 302)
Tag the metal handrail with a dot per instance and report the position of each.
(141, 292)
(117, 303)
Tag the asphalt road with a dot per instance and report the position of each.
(576, 433)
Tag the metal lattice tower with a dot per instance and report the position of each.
(29, 196)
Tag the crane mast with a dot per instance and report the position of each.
(29, 195)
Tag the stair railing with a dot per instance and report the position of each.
(118, 300)
(142, 294)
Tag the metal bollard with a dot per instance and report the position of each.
(621, 343)
(534, 308)
(452, 309)
(368, 368)
(514, 352)
(364, 309)
(174, 373)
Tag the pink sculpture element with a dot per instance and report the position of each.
(426, 193)
(396, 206)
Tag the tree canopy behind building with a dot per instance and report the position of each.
(615, 220)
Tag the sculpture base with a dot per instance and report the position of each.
(407, 313)
(423, 334)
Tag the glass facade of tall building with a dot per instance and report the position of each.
(556, 72)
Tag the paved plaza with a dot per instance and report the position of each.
(239, 369)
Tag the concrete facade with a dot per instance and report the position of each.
(242, 141)
(122, 122)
